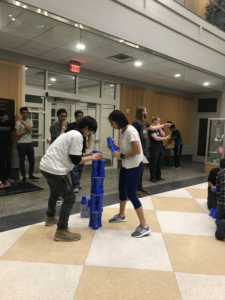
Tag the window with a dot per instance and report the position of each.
(108, 90)
(61, 82)
(88, 87)
(35, 102)
(35, 77)
(207, 105)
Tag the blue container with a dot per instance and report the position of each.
(95, 151)
(94, 200)
(100, 203)
(102, 185)
(113, 148)
(89, 202)
(97, 185)
(84, 200)
(99, 219)
(109, 141)
(101, 168)
(91, 220)
(95, 221)
(214, 188)
(214, 214)
(94, 168)
(211, 212)
(92, 185)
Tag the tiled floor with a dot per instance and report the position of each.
(180, 259)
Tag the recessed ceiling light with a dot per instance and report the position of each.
(17, 3)
(177, 75)
(80, 46)
(76, 25)
(26, 68)
(121, 41)
(42, 26)
(13, 19)
(49, 83)
(111, 94)
(53, 79)
(138, 63)
(24, 6)
(206, 83)
(10, 16)
(111, 84)
(73, 77)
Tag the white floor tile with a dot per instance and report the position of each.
(145, 201)
(176, 193)
(8, 238)
(201, 287)
(115, 248)
(199, 186)
(77, 221)
(186, 223)
(23, 280)
(203, 203)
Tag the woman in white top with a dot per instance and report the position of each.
(132, 164)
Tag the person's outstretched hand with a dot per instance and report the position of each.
(167, 124)
(97, 156)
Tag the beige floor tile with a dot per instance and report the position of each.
(195, 254)
(132, 220)
(100, 283)
(177, 204)
(198, 193)
(37, 245)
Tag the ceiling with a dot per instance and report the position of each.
(32, 34)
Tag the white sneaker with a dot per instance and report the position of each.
(59, 200)
(76, 190)
(10, 180)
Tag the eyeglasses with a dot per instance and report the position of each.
(63, 116)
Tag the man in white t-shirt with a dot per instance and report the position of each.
(60, 158)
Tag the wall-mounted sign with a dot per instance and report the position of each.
(75, 66)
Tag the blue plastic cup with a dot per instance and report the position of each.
(95, 221)
(84, 200)
(95, 151)
(93, 207)
(211, 212)
(94, 168)
(97, 185)
(99, 219)
(100, 203)
(92, 185)
(109, 141)
(89, 202)
(214, 188)
(101, 168)
(214, 214)
(91, 220)
(113, 148)
(102, 185)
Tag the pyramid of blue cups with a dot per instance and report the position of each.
(93, 208)
(213, 212)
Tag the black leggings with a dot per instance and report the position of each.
(5, 162)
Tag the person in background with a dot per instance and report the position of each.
(178, 147)
(59, 127)
(24, 128)
(78, 169)
(211, 200)
(60, 158)
(220, 200)
(156, 151)
(6, 129)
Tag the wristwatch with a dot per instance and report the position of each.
(122, 155)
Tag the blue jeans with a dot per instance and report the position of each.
(220, 214)
(76, 175)
(128, 183)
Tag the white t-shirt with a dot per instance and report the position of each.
(56, 160)
(130, 135)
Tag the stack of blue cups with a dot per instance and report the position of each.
(111, 144)
(97, 193)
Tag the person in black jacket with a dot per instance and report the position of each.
(6, 128)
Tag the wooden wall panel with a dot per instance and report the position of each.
(11, 86)
(169, 107)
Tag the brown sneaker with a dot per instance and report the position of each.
(141, 189)
(66, 236)
(139, 193)
(51, 221)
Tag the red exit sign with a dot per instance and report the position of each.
(74, 68)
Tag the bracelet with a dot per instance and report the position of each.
(63, 127)
(93, 157)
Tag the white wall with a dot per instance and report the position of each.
(161, 25)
